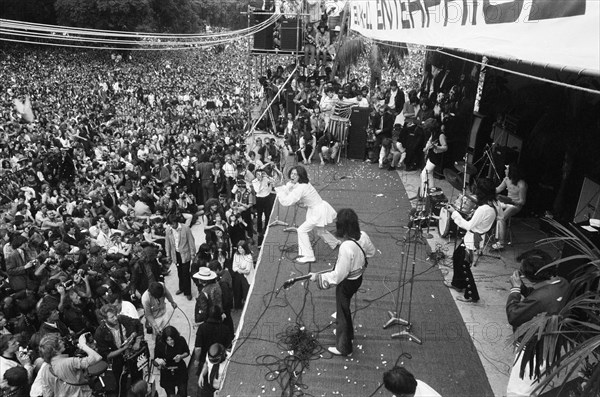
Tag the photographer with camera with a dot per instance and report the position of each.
(11, 355)
(64, 375)
(118, 337)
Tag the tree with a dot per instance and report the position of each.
(176, 16)
(38, 11)
(352, 47)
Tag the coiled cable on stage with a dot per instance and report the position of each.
(302, 347)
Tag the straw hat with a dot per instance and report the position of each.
(205, 274)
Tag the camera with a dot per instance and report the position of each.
(68, 284)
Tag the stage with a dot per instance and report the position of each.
(262, 364)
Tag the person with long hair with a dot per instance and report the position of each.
(319, 212)
(169, 355)
(480, 223)
(510, 204)
(436, 145)
(347, 274)
(243, 265)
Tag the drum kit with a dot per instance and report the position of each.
(465, 204)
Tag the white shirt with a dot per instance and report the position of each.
(129, 310)
(481, 222)
(424, 390)
(392, 102)
(176, 234)
(262, 188)
(244, 264)
(350, 262)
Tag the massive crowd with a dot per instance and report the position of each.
(127, 154)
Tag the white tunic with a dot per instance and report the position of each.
(481, 221)
(350, 262)
(319, 212)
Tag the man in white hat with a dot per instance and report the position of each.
(210, 294)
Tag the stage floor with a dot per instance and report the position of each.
(447, 360)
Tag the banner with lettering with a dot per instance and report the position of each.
(555, 32)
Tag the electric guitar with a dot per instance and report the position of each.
(294, 280)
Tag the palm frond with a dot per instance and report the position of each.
(375, 59)
(350, 52)
(570, 362)
(560, 344)
(394, 53)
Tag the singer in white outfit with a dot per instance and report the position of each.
(319, 213)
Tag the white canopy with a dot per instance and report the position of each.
(560, 33)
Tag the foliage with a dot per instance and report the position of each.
(165, 16)
(222, 13)
(38, 11)
(352, 47)
(570, 340)
(350, 52)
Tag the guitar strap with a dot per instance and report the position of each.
(363, 251)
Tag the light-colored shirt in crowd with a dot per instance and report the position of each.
(129, 310)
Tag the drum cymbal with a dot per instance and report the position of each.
(460, 166)
(471, 197)
(454, 178)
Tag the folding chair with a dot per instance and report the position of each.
(339, 125)
(488, 237)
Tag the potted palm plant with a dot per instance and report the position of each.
(558, 348)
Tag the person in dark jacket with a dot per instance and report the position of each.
(169, 353)
(548, 294)
(117, 338)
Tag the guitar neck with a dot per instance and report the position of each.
(300, 278)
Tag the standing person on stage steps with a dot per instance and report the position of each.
(319, 213)
(181, 249)
(480, 223)
(263, 185)
(351, 263)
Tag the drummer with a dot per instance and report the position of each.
(510, 204)
(480, 223)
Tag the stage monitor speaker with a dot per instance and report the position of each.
(357, 136)
(263, 40)
(290, 39)
(588, 205)
(289, 101)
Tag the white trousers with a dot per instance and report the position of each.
(304, 247)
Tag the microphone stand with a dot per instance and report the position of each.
(425, 203)
(277, 222)
(394, 316)
(294, 227)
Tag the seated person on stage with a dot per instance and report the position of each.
(409, 112)
(510, 204)
(402, 383)
(392, 151)
(306, 151)
(548, 294)
(328, 147)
